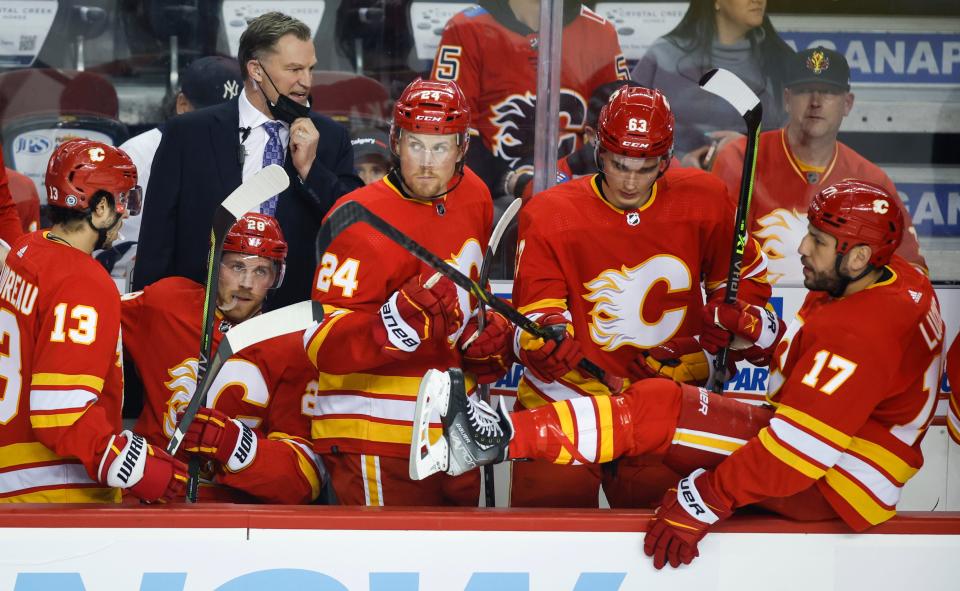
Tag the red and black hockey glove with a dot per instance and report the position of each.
(739, 326)
(423, 309)
(682, 520)
(487, 354)
(216, 436)
(148, 472)
(548, 359)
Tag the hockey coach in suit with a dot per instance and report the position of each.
(206, 154)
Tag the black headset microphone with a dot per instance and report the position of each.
(241, 151)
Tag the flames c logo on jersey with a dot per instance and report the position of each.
(622, 314)
(515, 121)
(468, 262)
(183, 381)
(779, 236)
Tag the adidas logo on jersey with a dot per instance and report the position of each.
(22, 250)
(916, 295)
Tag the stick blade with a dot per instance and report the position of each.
(267, 182)
(726, 85)
(287, 319)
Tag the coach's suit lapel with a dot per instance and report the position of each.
(224, 143)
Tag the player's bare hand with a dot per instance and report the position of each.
(304, 139)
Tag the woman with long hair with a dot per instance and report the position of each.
(733, 34)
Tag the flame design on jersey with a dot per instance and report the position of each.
(515, 121)
(182, 384)
(779, 235)
(619, 298)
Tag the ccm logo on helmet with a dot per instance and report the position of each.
(880, 206)
(429, 118)
(629, 144)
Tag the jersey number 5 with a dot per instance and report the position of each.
(844, 368)
(448, 63)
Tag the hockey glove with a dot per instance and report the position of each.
(148, 472)
(683, 518)
(216, 436)
(487, 354)
(548, 359)
(739, 326)
(680, 359)
(422, 309)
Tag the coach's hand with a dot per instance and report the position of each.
(304, 139)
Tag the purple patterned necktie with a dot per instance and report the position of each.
(272, 154)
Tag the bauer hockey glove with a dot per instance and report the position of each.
(487, 354)
(683, 518)
(739, 326)
(216, 436)
(548, 359)
(681, 359)
(423, 309)
(148, 472)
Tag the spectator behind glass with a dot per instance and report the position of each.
(797, 162)
(207, 81)
(732, 34)
(206, 154)
(491, 52)
(371, 154)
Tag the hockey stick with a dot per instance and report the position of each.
(499, 230)
(261, 186)
(260, 328)
(727, 86)
(352, 212)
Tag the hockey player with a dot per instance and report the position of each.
(852, 385)
(801, 159)
(618, 259)
(491, 52)
(953, 375)
(259, 398)
(60, 435)
(389, 318)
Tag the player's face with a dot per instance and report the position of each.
(371, 170)
(627, 181)
(818, 255)
(244, 281)
(289, 67)
(427, 162)
(816, 110)
(746, 14)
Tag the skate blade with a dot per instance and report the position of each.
(428, 458)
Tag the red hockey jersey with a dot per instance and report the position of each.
(269, 386)
(953, 375)
(61, 369)
(365, 398)
(782, 192)
(493, 58)
(854, 382)
(630, 280)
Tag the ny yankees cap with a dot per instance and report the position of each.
(211, 80)
(819, 64)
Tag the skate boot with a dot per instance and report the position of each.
(474, 434)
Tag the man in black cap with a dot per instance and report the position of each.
(207, 81)
(371, 154)
(794, 163)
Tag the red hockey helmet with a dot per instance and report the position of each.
(259, 235)
(79, 168)
(857, 212)
(431, 106)
(636, 122)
